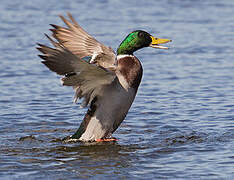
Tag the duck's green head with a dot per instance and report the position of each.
(139, 39)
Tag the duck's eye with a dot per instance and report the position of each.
(141, 34)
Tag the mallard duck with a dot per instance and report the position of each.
(108, 83)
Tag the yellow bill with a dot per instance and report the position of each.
(156, 41)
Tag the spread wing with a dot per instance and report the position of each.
(87, 79)
(80, 43)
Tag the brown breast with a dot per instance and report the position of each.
(131, 69)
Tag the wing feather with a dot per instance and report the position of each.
(80, 43)
(86, 79)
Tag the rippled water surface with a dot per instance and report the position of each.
(181, 125)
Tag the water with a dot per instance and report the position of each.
(181, 125)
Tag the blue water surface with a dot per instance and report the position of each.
(181, 125)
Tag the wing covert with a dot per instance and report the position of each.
(87, 79)
(80, 43)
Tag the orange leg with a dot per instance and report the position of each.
(107, 140)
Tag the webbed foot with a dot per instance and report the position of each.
(112, 139)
